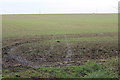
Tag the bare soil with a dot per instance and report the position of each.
(40, 52)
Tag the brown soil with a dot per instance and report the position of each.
(55, 54)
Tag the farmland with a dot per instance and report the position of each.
(60, 45)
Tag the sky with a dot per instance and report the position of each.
(57, 6)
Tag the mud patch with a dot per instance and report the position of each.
(37, 51)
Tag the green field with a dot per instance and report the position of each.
(60, 46)
(22, 25)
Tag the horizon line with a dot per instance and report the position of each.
(54, 13)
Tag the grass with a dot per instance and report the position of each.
(89, 70)
(112, 63)
(23, 25)
(88, 39)
(30, 25)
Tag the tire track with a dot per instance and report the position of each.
(69, 51)
(12, 53)
(23, 61)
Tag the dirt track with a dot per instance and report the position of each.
(56, 54)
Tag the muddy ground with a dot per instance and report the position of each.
(37, 51)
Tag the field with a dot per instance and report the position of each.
(60, 46)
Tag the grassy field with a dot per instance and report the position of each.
(22, 25)
(90, 70)
(60, 46)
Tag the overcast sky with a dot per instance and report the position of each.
(57, 6)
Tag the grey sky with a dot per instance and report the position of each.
(58, 6)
